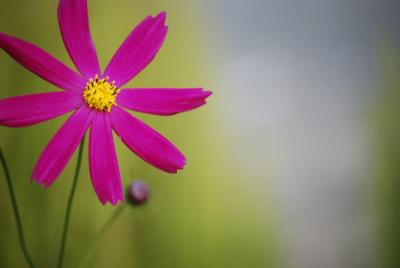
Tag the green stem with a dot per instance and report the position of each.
(69, 205)
(90, 249)
(21, 235)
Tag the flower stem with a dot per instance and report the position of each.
(69, 205)
(21, 235)
(88, 253)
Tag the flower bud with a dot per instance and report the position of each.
(138, 192)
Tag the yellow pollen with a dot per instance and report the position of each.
(100, 94)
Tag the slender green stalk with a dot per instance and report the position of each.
(21, 235)
(90, 249)
(69, 205)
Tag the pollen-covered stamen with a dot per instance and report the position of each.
(100, 95)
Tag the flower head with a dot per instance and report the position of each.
(98, 100)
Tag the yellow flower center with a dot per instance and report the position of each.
(100, 94)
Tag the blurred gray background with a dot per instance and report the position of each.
(300, 79)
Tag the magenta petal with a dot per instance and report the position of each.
(59, 150)
(31, 109)
(138, 50)
(162, 101)
(104, 169)
(74, 26)
(146, 142)
(41, 63)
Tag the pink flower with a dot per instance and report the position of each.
(97, 100)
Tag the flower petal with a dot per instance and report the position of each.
(138, 50)
(27, 110)
(41, 63)
(146, 142)
(104, 169)
(74, 26)
(162, 101)
(59, 150)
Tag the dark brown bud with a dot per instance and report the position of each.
(138, 192)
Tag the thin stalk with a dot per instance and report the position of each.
(20, 230)
(69, 206)
(90, 249)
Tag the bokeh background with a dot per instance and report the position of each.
(294, 161)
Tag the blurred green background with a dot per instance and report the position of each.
(293, 163)
(201, 217)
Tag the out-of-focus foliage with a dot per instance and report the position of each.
(388, 155)
(202, 217)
